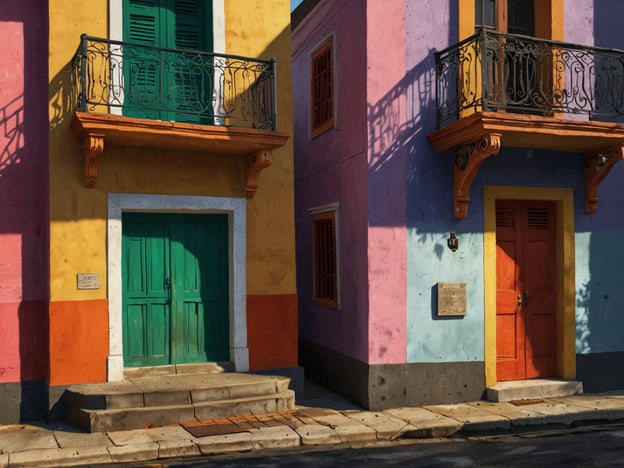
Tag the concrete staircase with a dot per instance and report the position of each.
(171, 394)
(533, 389)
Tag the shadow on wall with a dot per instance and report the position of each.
(400, 155)
(599, 303)
(395, 121)
(24, 213)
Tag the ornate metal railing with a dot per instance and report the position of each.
(491, 71)
(174, 85)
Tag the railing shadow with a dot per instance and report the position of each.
(400, 153)
(11, 133)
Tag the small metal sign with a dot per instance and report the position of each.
(88, 280)
(451, 299)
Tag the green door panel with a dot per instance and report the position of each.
(201, 287)
(146, 298)
(176, 290)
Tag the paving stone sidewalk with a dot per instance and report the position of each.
(319, 425)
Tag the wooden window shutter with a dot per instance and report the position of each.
(325, 261)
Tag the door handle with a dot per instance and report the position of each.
(526, 298)
(168, 288)
(519, 299)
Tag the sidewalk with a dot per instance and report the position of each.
(321, 419)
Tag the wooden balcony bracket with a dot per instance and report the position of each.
(255, 163)
(92, 148)
(598, 164)
(466, 163)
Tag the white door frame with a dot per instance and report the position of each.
(236, 210)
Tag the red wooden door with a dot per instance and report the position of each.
(525, 289)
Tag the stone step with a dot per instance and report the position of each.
(533, 389)
(165, 399)
(200, 368)
(152, 416)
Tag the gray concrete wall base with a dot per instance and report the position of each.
(377, 387)
(295, 373)
(23, 401)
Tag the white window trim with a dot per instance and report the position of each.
(236, 209)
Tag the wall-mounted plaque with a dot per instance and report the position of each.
(88, 280)
(451, 299)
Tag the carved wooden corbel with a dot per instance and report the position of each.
(598, 164)
(92, 148)
(255, 163)
(466, 162)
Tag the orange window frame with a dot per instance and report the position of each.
(322, 87)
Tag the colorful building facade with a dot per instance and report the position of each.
(170, 200)
(449, 156)
(23, 207)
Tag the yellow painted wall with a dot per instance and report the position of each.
(261, 28)
(77, 216)
(257, 28)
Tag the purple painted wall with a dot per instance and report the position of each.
(23, 191)
(332, 168)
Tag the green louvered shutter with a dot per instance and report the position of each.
(155, 83)
(142, 69)
(193, 78)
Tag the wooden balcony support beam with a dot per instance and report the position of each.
(254, 164)
(466, 162)
(254, 145)
(92, 148)
(598, 164)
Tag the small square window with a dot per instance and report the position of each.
(322, 88)
(325, 259)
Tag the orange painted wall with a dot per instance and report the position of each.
(272, 331)
(78, 341)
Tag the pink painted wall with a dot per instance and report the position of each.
(23, 191)
(387, 161)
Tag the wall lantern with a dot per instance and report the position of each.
(452, 242)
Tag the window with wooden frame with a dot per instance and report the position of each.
(325, 258)
(520, 73)
(322, 87)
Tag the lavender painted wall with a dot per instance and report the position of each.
(332, 168)
(23, 191)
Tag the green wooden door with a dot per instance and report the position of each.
(160, 84)
(175, 288)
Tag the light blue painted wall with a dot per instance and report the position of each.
(432, 338)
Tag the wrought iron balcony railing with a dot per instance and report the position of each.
(492, 71)
(174, 85)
